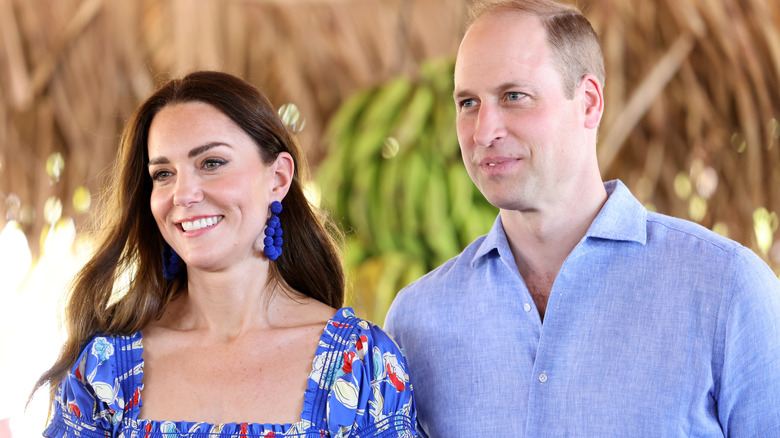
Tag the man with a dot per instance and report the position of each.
(580, 313)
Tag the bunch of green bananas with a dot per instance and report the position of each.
(395, 183)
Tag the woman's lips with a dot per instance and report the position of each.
(199, 223)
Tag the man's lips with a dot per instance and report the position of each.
(497, 162)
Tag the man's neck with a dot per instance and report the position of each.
(541, 240)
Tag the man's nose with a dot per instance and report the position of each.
(490, 125)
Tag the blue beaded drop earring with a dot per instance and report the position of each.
(273, 233)
(170, 261)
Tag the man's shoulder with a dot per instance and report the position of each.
(696, 235)
(665, 233)
(712, 253)
(453, 269)
(427, 295)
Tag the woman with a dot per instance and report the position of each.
(223, 317)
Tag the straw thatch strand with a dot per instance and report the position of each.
(693, 86)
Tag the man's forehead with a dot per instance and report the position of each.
(492, 51)
(510, 34)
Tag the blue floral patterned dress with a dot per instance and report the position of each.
(358, 387)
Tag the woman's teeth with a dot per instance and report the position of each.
(200, 223)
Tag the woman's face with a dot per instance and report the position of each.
(210, 189)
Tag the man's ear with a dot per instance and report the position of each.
(593, 101)
(283, 169)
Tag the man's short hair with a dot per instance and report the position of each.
(575, 46)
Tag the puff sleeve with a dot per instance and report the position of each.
(93, 398)
(365, 379)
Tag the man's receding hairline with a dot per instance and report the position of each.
(481, 9)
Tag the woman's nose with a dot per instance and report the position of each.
(187, 190)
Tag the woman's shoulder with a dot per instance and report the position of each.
(102, 386)
(368, 376)
(112, 354)
(104, 346)
(351, 345)
(107, 364)
(361, 332)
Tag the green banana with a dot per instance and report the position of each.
(387, 222)
(357, 210)
(340, 134)
(387, 286)
(413, 196)
(459, 187)
(376, 122)
(440, 72)
(417, 115)
(342, 124)
(395, 180)
(415, 268)
(439, 231)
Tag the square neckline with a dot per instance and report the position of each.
(308, 397)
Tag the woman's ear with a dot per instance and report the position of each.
(283, 169)
(593, 100)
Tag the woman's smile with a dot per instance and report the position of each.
(198, 224)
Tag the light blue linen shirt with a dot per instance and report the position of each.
(655, 327)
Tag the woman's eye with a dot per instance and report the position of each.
(160, 175)
(213, 163)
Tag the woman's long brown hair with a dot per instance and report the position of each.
(130, 243)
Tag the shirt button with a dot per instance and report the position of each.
(527, 307)
(543, 377)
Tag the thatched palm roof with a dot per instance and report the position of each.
(693, 85)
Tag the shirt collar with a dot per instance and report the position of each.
(494, 241)
(621, 218)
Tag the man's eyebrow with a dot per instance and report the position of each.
(457, 94)
(501, 88)
(194, 152)
(508, 86)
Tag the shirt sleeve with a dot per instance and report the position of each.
(89, 401)
(373, 397)
(748, 396)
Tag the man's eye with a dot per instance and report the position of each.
(467, 103)
(514, 95)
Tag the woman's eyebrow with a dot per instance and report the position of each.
(191, 154)
(202, 149)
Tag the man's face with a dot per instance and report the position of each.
(523, 143)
